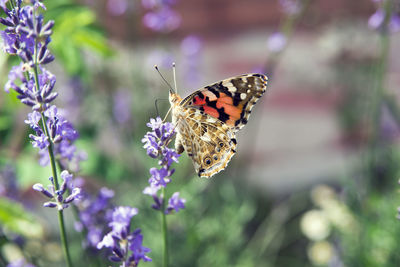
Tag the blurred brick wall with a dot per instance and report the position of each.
(220, 17)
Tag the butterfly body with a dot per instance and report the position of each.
(207, 120)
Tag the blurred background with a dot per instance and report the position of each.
(315, 179)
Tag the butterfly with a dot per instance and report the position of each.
(206, 121)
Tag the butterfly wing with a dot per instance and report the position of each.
(208, 141)
(230, 100)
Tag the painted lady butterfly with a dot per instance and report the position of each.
(207, 120)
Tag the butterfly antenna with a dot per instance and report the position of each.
(169, 85)
(174, 72)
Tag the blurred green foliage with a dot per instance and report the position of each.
(74, 31)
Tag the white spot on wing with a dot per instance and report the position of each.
(243, 96)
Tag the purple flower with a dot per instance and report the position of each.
(117, 7)
(33, 121)
(20, 263)
(152, 191)
(107, 242)
(125, 246)
(57, 196)
(36, 4)
(94, 213)
(44, 159)
(15, 74)
(3, 4)
(163, 20)
(138, 251)
(40, 142)
(8, 182)
(276, 42)
(32, 26)
(121, 218)
(26, 33)
(159, 176)
(377, 20)
(121, 107)
(156, 143)
(9, 42)
(160, 16)
(175, 203)
(66, 150)
(290, 7)
(155, 124)
(192, 47)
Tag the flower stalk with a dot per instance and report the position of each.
(156, 143)
(164, 230)
(63, 234)
(28, 37)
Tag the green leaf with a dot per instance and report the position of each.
(15, 218)
(93, 40)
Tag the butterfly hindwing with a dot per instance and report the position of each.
(230, 100)
(207, 141)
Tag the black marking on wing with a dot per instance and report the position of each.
(215, 92)
(222, 115)
(236, 99)
(242, 118)
(221, 111)
(200, 171)
(220, 88)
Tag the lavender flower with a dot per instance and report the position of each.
(26, 32)
(291, 7)
(94, 213)
(160, 16)
(8, 182)
(62, 134)
(191, 47)
(277, 42)
(20, 263)
(156, 143)
(117, 7)
(28, 36)
(121, 106)
(57, 196)
(377, 20)
(175, 203)
(125, 246)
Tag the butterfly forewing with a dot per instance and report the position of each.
(230, 100)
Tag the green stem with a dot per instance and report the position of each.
(378, 90)
(63, 234)
(164, 229)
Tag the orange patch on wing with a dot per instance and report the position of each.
(198, 101)
(231, 110)
(225, 99)
(211, 111)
